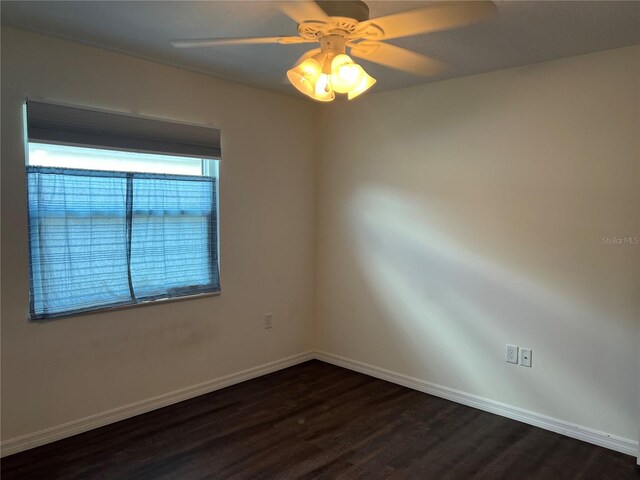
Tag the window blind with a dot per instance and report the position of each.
(102, 239)
(61, 124)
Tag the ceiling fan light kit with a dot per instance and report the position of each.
(323, 74)
(338, 25)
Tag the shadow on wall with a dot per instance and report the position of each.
(443, 308)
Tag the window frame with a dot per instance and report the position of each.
(208, 168)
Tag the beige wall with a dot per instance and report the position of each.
(459, 216)
(68, 369)
(451, 219)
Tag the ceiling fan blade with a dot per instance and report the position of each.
(303, 10)
(433, 18)
(396, 57)
(214, 42)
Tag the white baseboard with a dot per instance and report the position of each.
(613, 442)
(25, 442)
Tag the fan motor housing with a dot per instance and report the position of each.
(346, 18)
(332, 43)
(354, 9)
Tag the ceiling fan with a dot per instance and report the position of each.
(338, 25)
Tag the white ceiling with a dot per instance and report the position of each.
(523, 32)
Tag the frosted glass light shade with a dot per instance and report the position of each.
(365, 84)
(305, 75)
(308, 78)
(345, 74)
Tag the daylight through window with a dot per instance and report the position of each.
(112, 228)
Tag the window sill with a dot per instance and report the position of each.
(146, 303)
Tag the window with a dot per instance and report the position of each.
(109, 227)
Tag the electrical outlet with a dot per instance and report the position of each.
(512, 354)
(268, 321)
(525, 357)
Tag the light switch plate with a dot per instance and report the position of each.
(525, 357)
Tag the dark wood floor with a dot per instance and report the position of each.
(323, 422)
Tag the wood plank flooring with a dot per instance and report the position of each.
(318, 421)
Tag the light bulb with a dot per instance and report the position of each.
(345, 74)
(323, 91)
